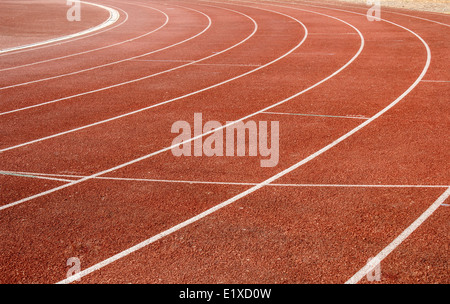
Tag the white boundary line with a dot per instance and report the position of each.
(436, 81)
(113, 17)
(398, 240)
(152, 180)
(317, 115)
(262, 184)
(37, 176)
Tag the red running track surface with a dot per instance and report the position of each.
(87, 171)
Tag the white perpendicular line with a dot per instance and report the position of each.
(114, 15)
(437, 81)
(37, 176)
(66, 177)
(400, 238)
(319, 115)
(262, 184)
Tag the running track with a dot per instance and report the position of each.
(87, 171)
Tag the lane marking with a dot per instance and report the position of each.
(317, 115)
(201, 64)
(119, 61)
(333, 34)
(34, 176)
(394, 244)
(203, 134)
(114, 16)
(399, 239)
(167, 101)
(140, 79)
(264, 183)
(63, 42)
(446, 205)
(384, 9)
(152, 180)
(217, 207)
(444, 81)
(85, 52)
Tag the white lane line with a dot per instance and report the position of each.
(74, 39)
(95, 49)
(370, 266)
(203, 134)
(261, 185)
(384, 10)
(126, 82)
(63, 42)
(34, 176)
(153, 180)
(162, 60)
(201, 64)
(445, 205)
(333, 34)
(217, 207)
(164, 102)
(229, 64)
(317, 115)
(399, 239)
(89, 51)
(443, 81)
(144, 78)
(134, 58)
(113, 17)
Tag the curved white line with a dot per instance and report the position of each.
(95, 49)
(113, 17)
(74, 39)
(367, 268)
(260, 185)
(119, 61)
(384, 10)
(165, 149)
(126, 82)
(95, 67)
(153, 239)
(146, 77)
